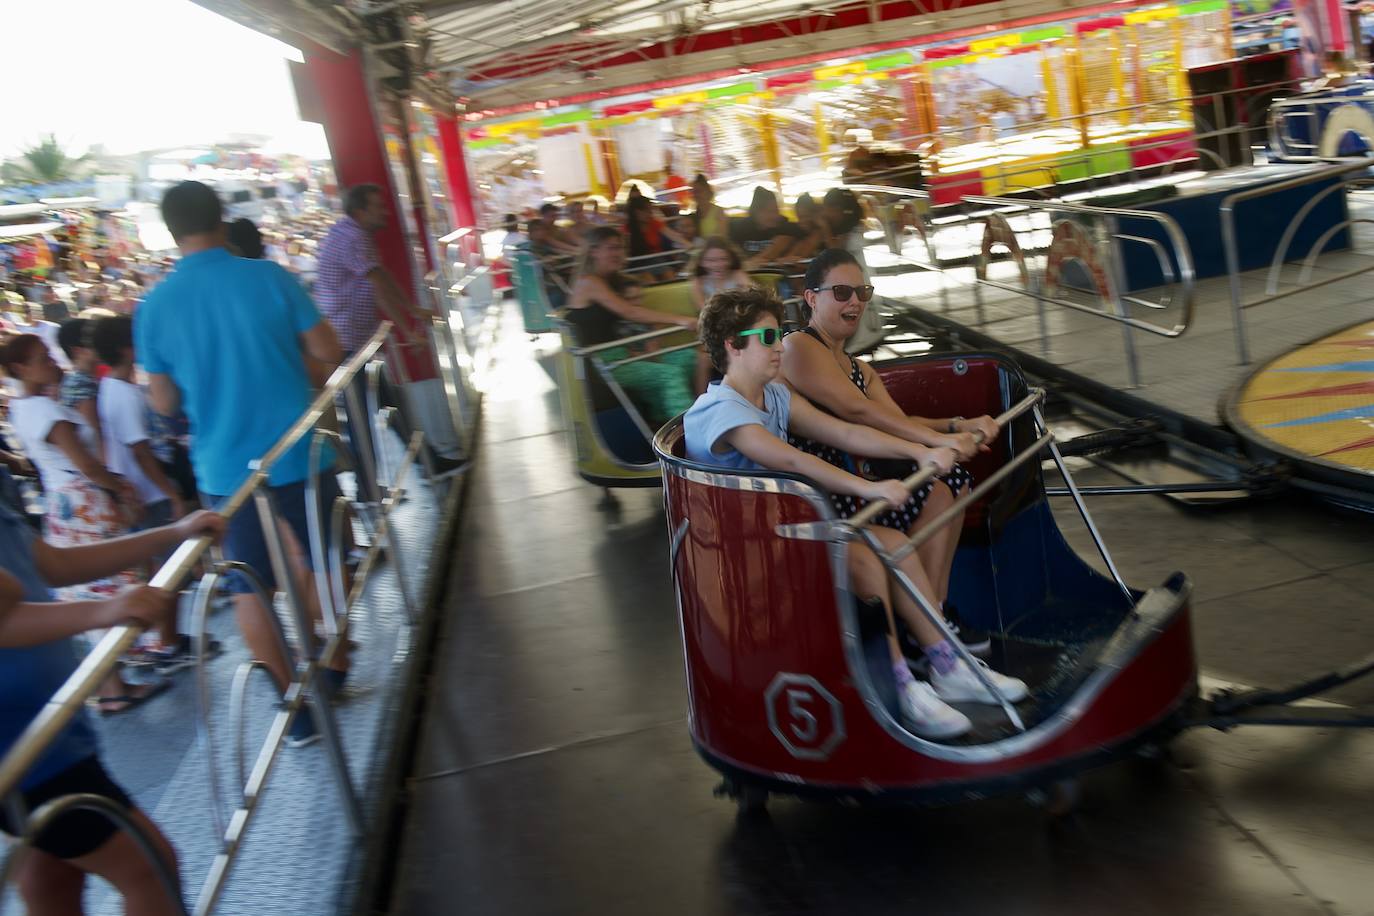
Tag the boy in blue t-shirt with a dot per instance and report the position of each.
(36, 659)
(742, 422)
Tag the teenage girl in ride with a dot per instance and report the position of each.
(718, 267)
(815, 363)
(598, 306)
(743, 423)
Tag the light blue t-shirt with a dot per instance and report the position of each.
(722, 409)
(29, 676)
(227, 331)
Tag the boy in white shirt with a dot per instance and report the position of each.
(124, 409)
(124, 416)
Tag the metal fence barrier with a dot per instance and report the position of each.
(380, 488)
(1342, 177)
(1090, 236)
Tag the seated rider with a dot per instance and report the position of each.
(599, 306)
(814, 363)
(743, 422)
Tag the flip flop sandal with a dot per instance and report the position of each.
(131, 701)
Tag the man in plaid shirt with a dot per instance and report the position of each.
(350, 281)
(351, 285)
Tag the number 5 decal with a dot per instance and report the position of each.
(802, 723)
(806, 718)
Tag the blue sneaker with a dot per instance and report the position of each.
(303, 731)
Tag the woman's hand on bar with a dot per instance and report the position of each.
(892, 491)
(985, 425)
(941, 459)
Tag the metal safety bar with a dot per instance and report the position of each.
(876, 508)
(653, 354)
(972, 496)
(857, 527)
(626, 341)
(1340, 174)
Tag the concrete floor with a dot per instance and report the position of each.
(556, 775)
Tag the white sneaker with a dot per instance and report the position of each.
(927, 715)
(962, 686)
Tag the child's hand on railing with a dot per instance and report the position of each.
(201, 523)
(144, 606)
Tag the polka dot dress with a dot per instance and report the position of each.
(904, 516)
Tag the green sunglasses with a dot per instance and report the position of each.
(769, 336)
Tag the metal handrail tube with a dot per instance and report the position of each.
(972, 496)
(1083, 511)
(626, 341)
(871, 511)
(652, 354)
(59, 711)
(1229, 240)
(1271, 285)
(1185, 277)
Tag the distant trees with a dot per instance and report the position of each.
(45, 163)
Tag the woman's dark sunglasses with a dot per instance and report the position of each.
(842, 291)
(769, 336)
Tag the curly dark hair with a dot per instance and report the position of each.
(728, 313)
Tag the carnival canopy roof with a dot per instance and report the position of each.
(491, 54)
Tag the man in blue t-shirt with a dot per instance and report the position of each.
(36, 658)
(229, 341)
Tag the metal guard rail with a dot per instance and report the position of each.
(1186, 276)
(64, 705)
(1340, 175)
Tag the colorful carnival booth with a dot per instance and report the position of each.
(998, 113)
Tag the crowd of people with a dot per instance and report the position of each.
(134, 428)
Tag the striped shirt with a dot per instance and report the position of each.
(342, 289)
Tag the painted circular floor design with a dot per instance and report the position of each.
(1315, 402)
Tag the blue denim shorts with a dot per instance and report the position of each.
(244, 542)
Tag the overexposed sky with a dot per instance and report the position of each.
(142, 74)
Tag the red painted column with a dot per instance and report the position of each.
(355, 144)
(456, 168)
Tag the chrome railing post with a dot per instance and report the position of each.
(1083, 508)
(308, 664)
(1228, 244)
(1111, 241)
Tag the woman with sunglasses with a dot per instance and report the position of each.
(599, 306)
(743, 422)
(815, 364)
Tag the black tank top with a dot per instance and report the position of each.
(594, 323)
